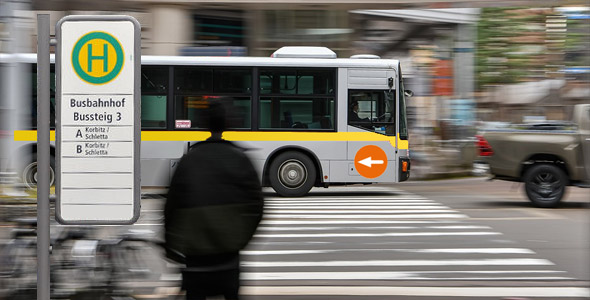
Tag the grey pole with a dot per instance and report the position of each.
(43, 101)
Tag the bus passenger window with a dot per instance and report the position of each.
(232, 81)
(153, 111)
(297, 99)
(196, 86)
(296, 113)
(33, 117)
(193, 80)
(238, 110)
(154, 96)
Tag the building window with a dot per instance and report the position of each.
(221, 30)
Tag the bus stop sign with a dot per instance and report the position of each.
(98, 120)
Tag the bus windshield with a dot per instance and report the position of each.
(403, 125)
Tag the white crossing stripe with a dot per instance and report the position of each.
(389, 197)
(351, 222)
(478, 292)
(373, 216)
(337, 228)
(402, 263)
(444, 250)
(380, 211)
(401, 275)
(354, 207)
(387, 234)
(353, 202)
(349, 200)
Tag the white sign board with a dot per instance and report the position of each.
(98, 120)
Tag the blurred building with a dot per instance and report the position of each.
(533, 63)
(437, 50)
(186, 27)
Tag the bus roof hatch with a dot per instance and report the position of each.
(304, 52)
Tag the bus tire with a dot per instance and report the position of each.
(28, 173)
(545, 185)
(292, 174)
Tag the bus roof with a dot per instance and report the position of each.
(234, 61)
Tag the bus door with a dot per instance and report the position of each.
(372, 114)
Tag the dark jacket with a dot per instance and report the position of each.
(214, 202)
(354, 117)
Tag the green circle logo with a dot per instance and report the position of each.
(97, 57)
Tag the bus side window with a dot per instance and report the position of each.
(372, 110)
(297, 99)
(33, 120)
(197, 86)
(154, 96)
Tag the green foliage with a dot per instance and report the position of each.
(512, 45)
(502, 34)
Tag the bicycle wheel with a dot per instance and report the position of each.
(137, 266)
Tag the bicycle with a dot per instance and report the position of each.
(81, 263)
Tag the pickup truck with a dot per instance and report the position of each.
(546, 157)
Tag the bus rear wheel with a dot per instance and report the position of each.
(29, 174)
(292, 174)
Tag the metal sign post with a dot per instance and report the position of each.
(43, 149)
(98, 120)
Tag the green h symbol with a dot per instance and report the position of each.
(103, 57)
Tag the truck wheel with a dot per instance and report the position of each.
(545, 185)
(29, 173)
(292, 174)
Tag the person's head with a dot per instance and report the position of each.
(354, 106)
(217, 118)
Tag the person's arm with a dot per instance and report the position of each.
(250, 182)
(175, 191)
(353, 117)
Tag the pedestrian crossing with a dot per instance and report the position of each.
(386, 242)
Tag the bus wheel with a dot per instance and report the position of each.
(29, 174)
(292, 174)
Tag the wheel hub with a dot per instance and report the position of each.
(30, 176)
(292, 174)
(545, 188)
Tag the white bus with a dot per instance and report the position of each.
(293, 112)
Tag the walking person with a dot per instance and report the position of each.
(213, 208)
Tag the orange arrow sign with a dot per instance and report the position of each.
(370, 161)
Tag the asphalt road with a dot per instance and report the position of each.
(561, 234)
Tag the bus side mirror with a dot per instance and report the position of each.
(408, 93)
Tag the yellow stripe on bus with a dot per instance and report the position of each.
(402, 144)
(31, 135)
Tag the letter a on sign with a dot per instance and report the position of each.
(98, 108)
